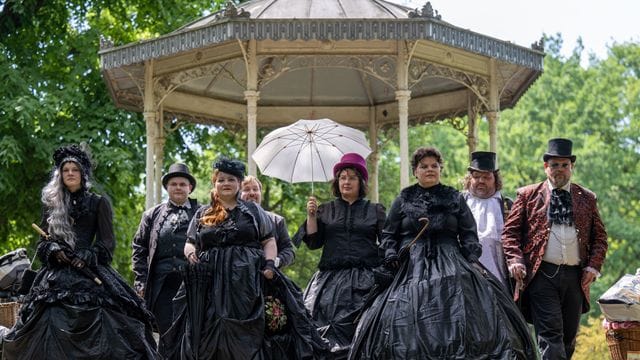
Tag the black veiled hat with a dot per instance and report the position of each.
(560, 148)
(72, 153)
(233, 167)
(483, 161)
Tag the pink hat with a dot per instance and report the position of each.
(352, 160)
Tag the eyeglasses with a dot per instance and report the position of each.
(555, 165)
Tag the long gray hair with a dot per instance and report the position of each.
(56, 200)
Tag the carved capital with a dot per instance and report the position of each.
(252, 95)
(403, 95)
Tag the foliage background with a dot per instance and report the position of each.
(52, 94)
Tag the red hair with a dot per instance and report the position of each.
(216, 213)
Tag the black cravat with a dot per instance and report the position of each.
(560, 208)
(177, 207)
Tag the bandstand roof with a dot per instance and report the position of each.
(319, 58)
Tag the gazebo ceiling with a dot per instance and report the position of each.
(322, 58)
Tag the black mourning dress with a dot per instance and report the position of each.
(66, 315)
(439, 306)
(233, 320)
(336, 293)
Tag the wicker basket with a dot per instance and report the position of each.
(624, 343)
(8, 313)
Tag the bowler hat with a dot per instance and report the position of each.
(560, 148)
(352, 160)
(178, 170)
(483, 161)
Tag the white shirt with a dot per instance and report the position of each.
(562, 247)
(489, 221)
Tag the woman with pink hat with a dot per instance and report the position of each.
(348, 230)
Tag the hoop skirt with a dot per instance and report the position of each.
(442, 308)
(440, 304)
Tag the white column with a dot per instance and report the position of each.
(151, 126)
(403, 97)
(403, 94)
(251, 95)
(472, 116)
(493, 115)
(158, 168)
(252, 98)
(374, 158)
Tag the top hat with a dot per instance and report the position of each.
(352, 160)
(483, 161)
(560, 148)
(178, 170)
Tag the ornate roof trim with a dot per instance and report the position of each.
(321, 29)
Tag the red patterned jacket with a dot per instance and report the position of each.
(527, 229)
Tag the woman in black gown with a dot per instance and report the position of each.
(232, 242)
(441, 303)
(66, 314)
(347, 229)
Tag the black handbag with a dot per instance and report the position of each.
(27, 278)
(13, 266)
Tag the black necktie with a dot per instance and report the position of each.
(560, 208)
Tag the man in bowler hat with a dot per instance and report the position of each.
(482, 186)
(159, 242)
(555, 244)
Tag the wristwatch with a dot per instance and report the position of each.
(276, 262)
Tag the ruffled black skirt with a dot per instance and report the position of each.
(442, 308)
(68, 316)
(335, 298)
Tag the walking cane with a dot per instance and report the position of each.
(84, 270)
(376, 289)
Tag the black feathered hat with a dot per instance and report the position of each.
(73, 153)
(233, 167)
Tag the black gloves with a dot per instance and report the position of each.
(391, 259)
(87, 256)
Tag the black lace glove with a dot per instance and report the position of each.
(87, 256)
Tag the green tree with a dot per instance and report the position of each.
(53, 94)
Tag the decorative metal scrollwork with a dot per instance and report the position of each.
(427, 11)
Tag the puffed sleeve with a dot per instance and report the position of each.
(467, 233)
(315, 240)
(391, 231)
(194, 226)
(45, 248)
(105, 242)
(265, 225)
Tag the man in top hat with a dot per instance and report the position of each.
(555, 244)
(482, 186)
(159, 242)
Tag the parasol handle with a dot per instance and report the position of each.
(40, 231)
